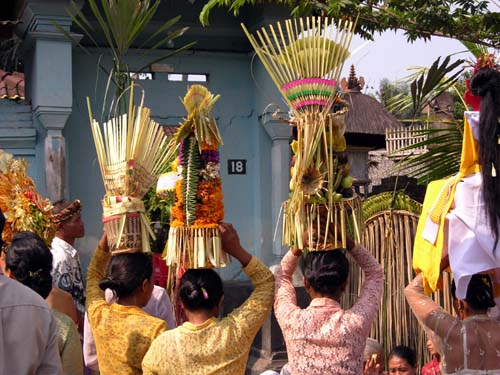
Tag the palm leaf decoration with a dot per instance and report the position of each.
(122, 23)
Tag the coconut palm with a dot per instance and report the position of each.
(444, 141)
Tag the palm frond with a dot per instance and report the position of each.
(433, 82)
(442, 159)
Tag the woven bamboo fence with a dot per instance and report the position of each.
(389, 235)
(398, 139)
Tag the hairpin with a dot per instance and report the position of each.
(204, 292)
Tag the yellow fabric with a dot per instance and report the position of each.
(437, 203)
(215, 347)
(122, 334)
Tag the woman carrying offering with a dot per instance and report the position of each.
(468, 344)
(204, 344)
(122, 331)
(323, 338)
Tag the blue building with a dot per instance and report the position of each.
(57, 141)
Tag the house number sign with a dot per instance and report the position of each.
(236, 166)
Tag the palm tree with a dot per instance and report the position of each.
(444, 141)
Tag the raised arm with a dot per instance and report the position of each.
(285, 302)
(95, 273)
(249, 317)
(371, 292)
(428, 312)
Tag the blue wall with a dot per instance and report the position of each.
(245, 93)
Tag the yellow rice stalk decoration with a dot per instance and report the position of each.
(132, 152)
(194, 238)
(304, 58)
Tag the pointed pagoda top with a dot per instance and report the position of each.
(352, 84)
(366, 115)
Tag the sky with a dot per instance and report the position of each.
(390, 55)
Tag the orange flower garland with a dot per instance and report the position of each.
(210, 210)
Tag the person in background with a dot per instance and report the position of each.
(63, 302)
(402, 360)
(204, 344)
(122, 330)
(29, 261)
(28, 343)
(159, 306)
(66, 269)
(432, 367)
(324, 338)
(373, 358)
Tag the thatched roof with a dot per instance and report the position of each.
(366, 119)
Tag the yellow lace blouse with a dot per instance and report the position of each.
(217, 346)
(122, 334)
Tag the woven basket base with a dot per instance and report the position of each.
(131, 241)
(300, 229)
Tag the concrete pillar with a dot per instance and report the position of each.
(48, 56)
(280, 133)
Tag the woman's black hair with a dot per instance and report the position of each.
(326, 271)
(30, 261)
(485, 83)
(201, 289)
(479, 295)
(126, 272)
(404, 352)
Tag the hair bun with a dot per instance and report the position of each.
(109, 283)
(484, 81)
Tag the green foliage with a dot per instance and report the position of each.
(442, 158)
(390, 91)
(122, 22)
(396, 200)
(468, 20)
(443, 140)
(158, 209)
(191, 165)
(425, 85)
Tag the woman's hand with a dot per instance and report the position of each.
(372, 367)
(231, 244)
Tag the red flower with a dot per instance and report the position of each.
(471, 99)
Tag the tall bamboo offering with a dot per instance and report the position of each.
(304, 58)
(132, 152)
(194, 238)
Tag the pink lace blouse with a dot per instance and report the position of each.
(323, 338)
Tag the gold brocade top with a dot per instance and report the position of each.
(122, 334)
(217, 346)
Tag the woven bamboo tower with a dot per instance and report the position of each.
(132, 152)
(304, 58)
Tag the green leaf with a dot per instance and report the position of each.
(161, 58)
(167, 25)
